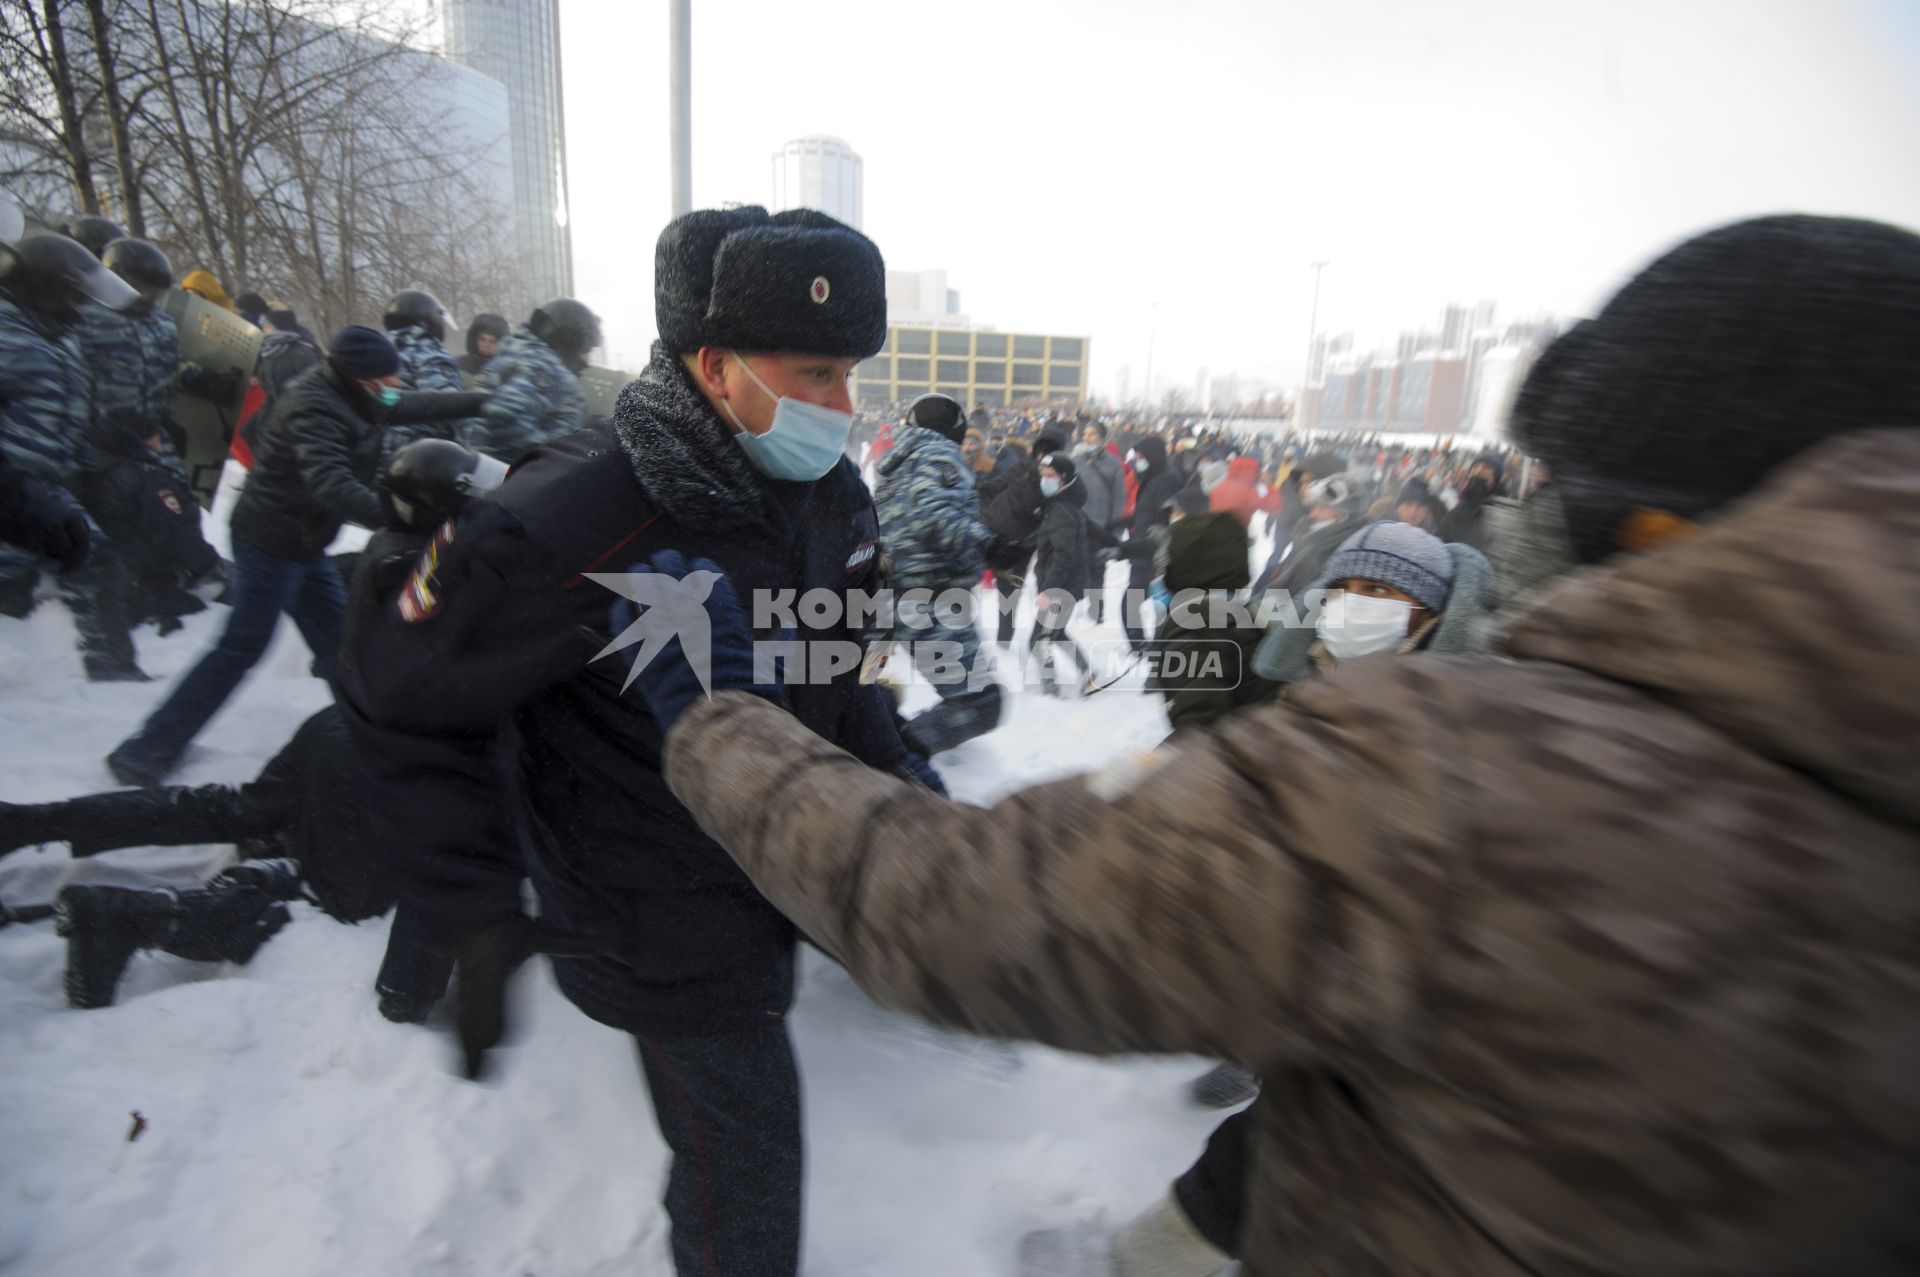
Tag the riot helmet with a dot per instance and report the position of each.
(569, 328)
(417, 308)
(431, 480)
(140, 263)
(94, 233)
(52, 275)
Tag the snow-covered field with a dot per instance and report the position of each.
(289, 1129)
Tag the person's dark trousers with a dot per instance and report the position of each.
(1052, 640)
(98, 593)
(1139, 577)
(1008, 592)
(728, 1107)
(413, 977)
(263, 587)
(1213, 1192)
(946, 652)
(178, 816)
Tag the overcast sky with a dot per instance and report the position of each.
(1071, 164)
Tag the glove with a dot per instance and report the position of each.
(216, 387)
(485, 962)
(55, 526)
(917, 770)
(692, 619)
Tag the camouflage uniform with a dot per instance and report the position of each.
(46, 407)
(134, 356)
(424, 365)
(536, 398)
(1599, 959)
(930, 522)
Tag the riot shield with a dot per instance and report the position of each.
(219, 341)
(603, 387)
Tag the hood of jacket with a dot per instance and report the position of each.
(682, 453)
(277, 341)
(1786, 623)
(1285, 654)
(1207, 552)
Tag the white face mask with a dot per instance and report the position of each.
(1354, 625)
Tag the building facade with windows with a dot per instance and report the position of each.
(819, 172)
(517, 42)
(992, 369)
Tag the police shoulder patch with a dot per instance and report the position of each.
(420, 597)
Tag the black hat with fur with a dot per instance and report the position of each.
(749, 280)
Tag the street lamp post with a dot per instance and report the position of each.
(1313, 326)
(680, 93)
(1153, 324)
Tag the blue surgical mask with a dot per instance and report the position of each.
(389, 395)
(804, 442)
(1049, 487)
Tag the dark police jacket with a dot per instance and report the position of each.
(313, 468)
(489, 653)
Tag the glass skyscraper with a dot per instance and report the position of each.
(818, 172)
(517, 42)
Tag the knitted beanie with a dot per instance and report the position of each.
(1060, 463)
(1731, 354)
(1400, 555)
(363, 354)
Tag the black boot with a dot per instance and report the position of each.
(106, 670)
(223, 922)
(278, 878)
(130, 767)
(1224, 1086)
(413, 976)
(103, 927)
(31, 824)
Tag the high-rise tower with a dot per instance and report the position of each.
(517, 42)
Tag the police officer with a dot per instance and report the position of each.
(305, 814)
(728, 446)
(535, 382)
(314, 472)
(930, 519)
(46, 405)
(93, 232)
(417, 325)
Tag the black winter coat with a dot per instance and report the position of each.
(316, 787)
(313, 469)
(1011, 507)
(500, 628)
(1068, 553)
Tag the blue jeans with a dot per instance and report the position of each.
(263, 587)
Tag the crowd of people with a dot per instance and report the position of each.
(1540, 865)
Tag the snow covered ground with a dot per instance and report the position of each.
(290, 1129)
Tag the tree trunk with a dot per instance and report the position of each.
(130, 205)
(78, 160)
